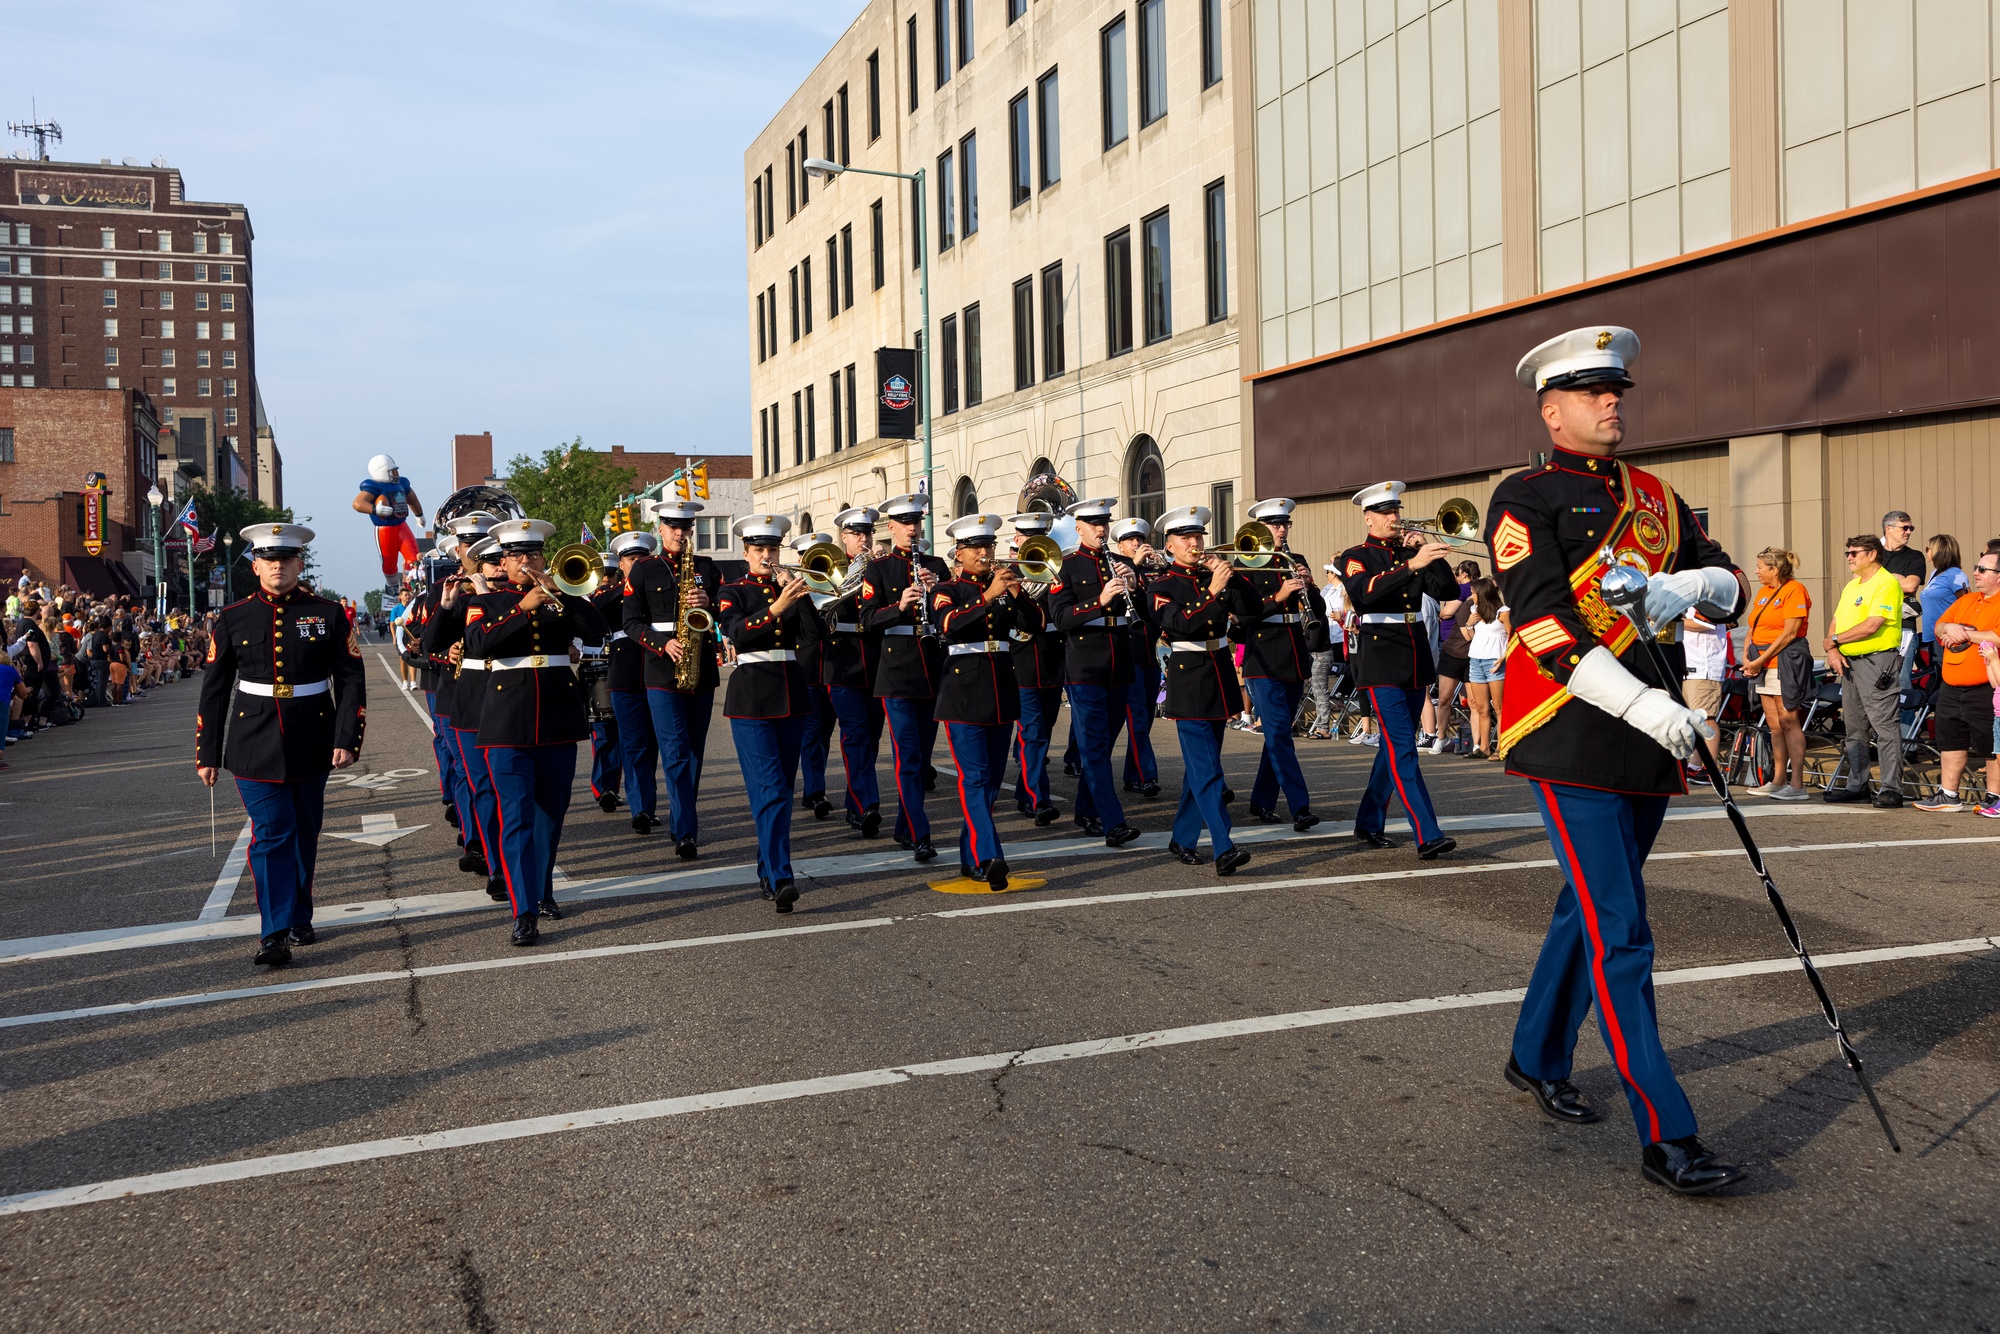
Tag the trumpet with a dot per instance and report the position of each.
(1457, 524)
(1254, 546)
(577, 570)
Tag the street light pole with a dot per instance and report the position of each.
(228, 569)
(819, 166)
(155, 499)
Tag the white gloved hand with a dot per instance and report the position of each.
(385, 508)
(1601, 680)
(1711, 590)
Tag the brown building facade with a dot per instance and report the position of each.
(50, 442)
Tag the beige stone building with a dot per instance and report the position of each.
(1081, 167)
(1792, 201)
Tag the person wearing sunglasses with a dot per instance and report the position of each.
(1965, 700)
(1862, 650)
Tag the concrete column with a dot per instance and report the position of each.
(1820, 567)
(1520, 235)
(1754, 194)
(1758, 512)
(1243, 290)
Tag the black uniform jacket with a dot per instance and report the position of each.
(766, 689)
(442, 627)
(1098, 647)
(1274, 633)
(912, 662)
(652, 598)
(1145, 632)
(980, 687)
(1038, 654)
(529, 705)
(1555, 518)
(625, 661)
(286, 642)
(1201, 681)
(1380, 582)
(413, 653)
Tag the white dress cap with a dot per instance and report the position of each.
(522, 534)
(974, 528)
(1133, 527)
(1381, 494)
(1601, 354)
(1278, 509)
(761, 529)
(806, 541)
(858, 517)
(906, 508)
(1186, 519)
(634, 543)
(673, 511)
(1098, 510)
(275, 539)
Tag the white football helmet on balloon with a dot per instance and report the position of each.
(382, 468)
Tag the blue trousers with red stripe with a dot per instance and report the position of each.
(1397, 708)
(979, 753)
(767, 751)
(912, 729)
(1600, 948)
(484, 824)
(860, 742)
(1141, 767)
(1278, 767)
(1095, 715)
(285, 820)
(531, 785)
(1037, 728)
(640, 749)
(1201, 785)
(607, 757)
(680, 729)
(453, 787)
(813, 747)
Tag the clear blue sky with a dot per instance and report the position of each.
(518, 217)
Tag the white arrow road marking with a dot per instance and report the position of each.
(377, 830)
(217, 906)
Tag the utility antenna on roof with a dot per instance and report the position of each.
(41, 130)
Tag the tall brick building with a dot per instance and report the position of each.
(50, 442)
(110, 278)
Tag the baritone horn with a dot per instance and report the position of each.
(1253, 547)
(577, 570)
(1039, 560)
(823, 566)
(1457, 524)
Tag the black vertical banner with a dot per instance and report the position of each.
(896, 393)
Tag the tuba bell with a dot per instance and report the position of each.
(577, 570)
(1046, 493)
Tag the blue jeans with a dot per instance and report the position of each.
(285, 820)
(767, 751)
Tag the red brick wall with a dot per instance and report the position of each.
(471, 459)
(657, 467)
(60, 436)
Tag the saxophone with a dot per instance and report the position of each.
(691, 623)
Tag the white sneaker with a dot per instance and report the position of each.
(1790, 793)
(1770, 789)
(1437, 746)
(1372, 739)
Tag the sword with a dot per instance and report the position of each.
(211, 820)
(1624, 587)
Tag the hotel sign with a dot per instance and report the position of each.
(75, 189)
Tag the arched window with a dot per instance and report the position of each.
(1145, 480)
(805, 524)
(965, 499)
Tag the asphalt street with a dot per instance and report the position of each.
(1140, 1098)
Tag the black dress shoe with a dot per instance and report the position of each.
(685, 846)
(1151, 791)
(1229, 861)
(996, 874)
(1187, 856)
(1684, 1165)
(1089, 824)
(496, 888)
(451, 815)
(905, 844)
(273, 953)
(1047, 815)
(1303, 820)
(922, 850)
(784, 895)
(1837, 795)
(608, 802)
(1071, 770)
(1436, 848)
(471, 861)
(641, 825)
(764, 886)
(1888, 799)
(527, 931)
(459, 839)
(1258, 815)
(871, 824)
(930, 779)
(1374, 838)
(1119, 835)
(551, 910)
(1228, 795)
(305, 935)
(1135, 788)
(821, 808)
(1557, 1097)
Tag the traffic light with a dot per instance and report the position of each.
(701, 480)
(683, 486)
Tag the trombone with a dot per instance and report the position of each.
(1039, 560)
(577, 570)
(823, 566)
(1457, 524)
(1253, 547)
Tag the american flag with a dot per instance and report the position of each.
(203, 543)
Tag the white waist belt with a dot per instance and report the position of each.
(472, 665)
(590, 652)
(1285, 618)
(283, 691)
(1390, 618)
(843, 628)
(531, 660)
(1198, 645)
(614, 636)
(1108, 620)
(662, 626)
(900, 630)
(768, 655)
(982, 646)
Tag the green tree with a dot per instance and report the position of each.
(372, 600)
(570, 486)
(228, 513)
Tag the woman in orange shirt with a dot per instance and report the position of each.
(1776, 651)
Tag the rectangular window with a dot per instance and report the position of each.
(833, 277)
(1024, 333)
(202, 358)
(763, 444)
(948, 363)
(847, 267)
(201, 243)
(20, 234)
(1152, 60)
(874, 96)
(1222, 503)
(166, 356)
(166, 328)
(757, 209)
(228, 330)
(841, 97)
(1019, 184)
(770, 205)
(229, 300)
(201, 388)
(975, 375)
(812, 427)
(826, 131)
(968, 184)
(163, 240)
(805, 181)
(911, 62)
(833, 400)
(112, 382)
(964, 33)
(225, 274)
(1111, 60)
(110, 268)
(111, 356)
(169, 387)
(201, 301)
(875, 244)
(1159, 278)
(1048, 135)
(1211, 47)
(229, 361)
(201, 276)
(806, 294)
(6, 444)
(166, 301)
(762, 351)
(108, 239)
(941, 39)
(798, 429)
(795, 304)
(111, 328)
(771, 307)
(945, 191)
(791, 181)
(1216, 251)
(201, 328)
(1054, 309)
(229, 414)
(853, 422)
(166, 272)
(1118, 292)
(1015, 9)
(110, 297)
(228, 246)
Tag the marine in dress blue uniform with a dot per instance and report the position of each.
(1588, 724)
(1277, 663)
(458, 700)
(636, 741)
(532, 715)
(978, 609)
(894, 604)
(1093, 607)
(1193, 604)
(1386, 578)
(849, 659)
(815, 744)
(299, 707)
(418, 601)
(768, 703)
(1133, 539)
(680, 717)
(1038, 673)
(607, 754)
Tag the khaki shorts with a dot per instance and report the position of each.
(1703, 695)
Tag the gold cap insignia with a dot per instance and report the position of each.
(1604, 340)
(277, 530)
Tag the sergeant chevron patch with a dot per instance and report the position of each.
(1510, 542)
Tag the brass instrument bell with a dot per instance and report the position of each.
(577, 570)
(1253, 547)
(1457, 523)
